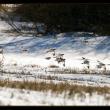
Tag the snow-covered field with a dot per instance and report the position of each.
(25, 97)
(24, 57)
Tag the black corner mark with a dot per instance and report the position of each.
(53, 1)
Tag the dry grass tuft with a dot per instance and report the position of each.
(53, 66)
(57, 88)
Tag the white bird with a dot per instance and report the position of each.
(100, 63)
(60, 60)
(51, 50)
(48, 58)
(86, 61)
(1, 50)
(60, 55)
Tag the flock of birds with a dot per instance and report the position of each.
(58, 57)
(99, 66)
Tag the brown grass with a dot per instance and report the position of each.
(77, 71)
(53, 66)
(57, 88)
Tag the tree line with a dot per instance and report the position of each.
(68, 17)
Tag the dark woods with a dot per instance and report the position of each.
(67, 17)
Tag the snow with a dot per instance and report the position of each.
(36, 50)
(36, 54)
(25, 58)
(28, 98)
